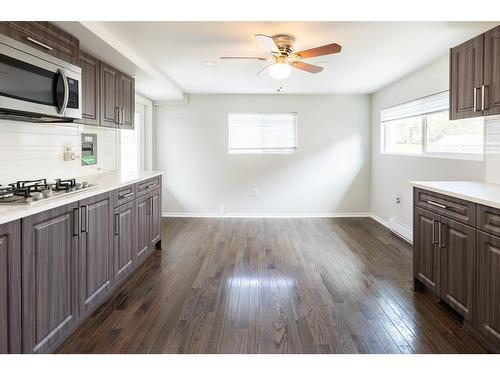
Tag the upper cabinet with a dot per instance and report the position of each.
(475, 77)
(492, 71)
(110, 110)
(126, 99)
(91, 79)
(45, 37)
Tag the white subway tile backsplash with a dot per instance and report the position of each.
(30, 150)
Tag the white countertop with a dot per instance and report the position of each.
(477, 192)
(105, 181)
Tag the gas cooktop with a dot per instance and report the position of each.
(30, 191)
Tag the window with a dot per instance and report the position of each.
(421, 127)
(262, 133)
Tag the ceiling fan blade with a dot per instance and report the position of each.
(319, 51)
(242, 58)
(264, 69)
(267, 42)
(307, 67)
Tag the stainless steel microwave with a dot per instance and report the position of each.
(35, 86)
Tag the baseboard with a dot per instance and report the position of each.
(399, 229)
(265, 216)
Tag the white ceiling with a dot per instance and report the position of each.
(373, 55)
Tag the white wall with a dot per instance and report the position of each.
(391, 174)
(31, 150)
(329, 174)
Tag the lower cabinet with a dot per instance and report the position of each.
(49, 277)
(10, 288)
(425, 257)
(143, 226)
(125, 233)
(95, 250)
(66, 263)
(457, 264)
(444, 259)
(488, 293)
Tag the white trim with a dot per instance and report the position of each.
(399, 229)
(379, 220)
(263, 216)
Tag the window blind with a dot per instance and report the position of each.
(428, 104)
(262, 132)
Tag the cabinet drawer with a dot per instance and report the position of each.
(124, 195)
(148, 186)
(488, 219)
(454, 208)
(45, 37)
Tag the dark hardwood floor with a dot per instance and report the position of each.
(274, 286)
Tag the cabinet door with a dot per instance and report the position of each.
(49, 277)
(124, 240)
(45, 37)
(458, 261)
(95, 250)
(488, 298)
(127, 101)
(155, 218)
(90, 89)
(143, 226)
(492, 71)
(10, 288)
(426, 251)
(466, 79)
(109, 96)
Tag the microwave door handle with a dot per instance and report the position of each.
(64, 104)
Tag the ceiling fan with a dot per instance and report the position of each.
(283, 56)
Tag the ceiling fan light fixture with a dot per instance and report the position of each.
(280, 70)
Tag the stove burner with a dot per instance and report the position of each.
(6, 192)
(64, 184)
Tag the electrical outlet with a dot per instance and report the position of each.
(398, 199)
(255, 193)
(221, 210)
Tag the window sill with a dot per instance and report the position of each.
(439, 156)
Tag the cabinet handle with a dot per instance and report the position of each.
(123, 196)
(87, 221)
(123, 116)
(117, 224)
(441, 237)
(475, 99)
(39, 43)
(437, 204)
(117, 117)
(76, 222)
(150, 186)
(434, 231)
(483, 88)
(151, 206)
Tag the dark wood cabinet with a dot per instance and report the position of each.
(457, 250)
(109, 96)
(155, 218)
(45, 37)
(10, 288)
(68, 261)
(125, 233)
(91, 79)
(95, 250)
(488, 293)
(466, 79)
(49, 277)
(117, 98)
(143, 226)
(426, 254)
(492, 72)
(475, 77)
(126, 97)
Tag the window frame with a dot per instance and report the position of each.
(263, 151)
(425, 153)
